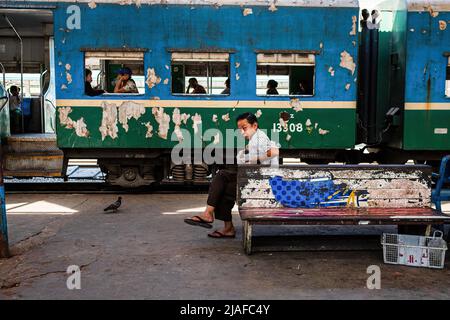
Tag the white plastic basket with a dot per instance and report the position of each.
(414, 251)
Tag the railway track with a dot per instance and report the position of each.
(84, 176)
(81, 187)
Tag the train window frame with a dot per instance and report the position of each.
(193, 58)
(289, 60)
(118, 57)
(447, 78)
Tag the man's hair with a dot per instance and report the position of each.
(272, 83)
(87, 72)
(250, 117)
(14, 89)
(126, 70)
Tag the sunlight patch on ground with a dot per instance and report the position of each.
(38, 207)
(15, 205)
(197, 210)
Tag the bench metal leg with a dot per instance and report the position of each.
(64, 169)
(247, 236)
(428, 231)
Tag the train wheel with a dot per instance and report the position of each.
(128, 175)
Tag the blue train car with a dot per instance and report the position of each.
(309, 48)
(427, 78)
(414, 68)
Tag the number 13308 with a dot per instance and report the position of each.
(291, 127)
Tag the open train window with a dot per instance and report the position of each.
(200, 73)
(287, 74)
(107, 68)
(447, 79)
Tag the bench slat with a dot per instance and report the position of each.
(412, 214)
(384, 203)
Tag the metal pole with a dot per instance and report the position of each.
(4, 75)
(21, 66)
(4, 86)
(42, 101)
(4, 247)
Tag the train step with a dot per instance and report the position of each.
(32, 155)
(33, 164)
(31, 174)
(32, 142)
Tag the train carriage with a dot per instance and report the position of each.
(413, 118)
(314, 44)
(427, 79)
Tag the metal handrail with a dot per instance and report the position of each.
(42, 99)
(47, 100)
(4, 86)
(42, 81)
(101, 75)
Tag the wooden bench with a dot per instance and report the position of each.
(359, 195)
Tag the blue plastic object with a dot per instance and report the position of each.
(303, 193)
(439, 193)
(26, 106)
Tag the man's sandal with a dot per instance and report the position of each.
(200, 222)
(220, 235)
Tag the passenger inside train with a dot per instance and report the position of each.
(195, 87)
(15, 110)
(301, 89)
(124, 82)
(227, 87)
(272, 87)
(88, 87)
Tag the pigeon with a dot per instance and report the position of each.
(114, 206)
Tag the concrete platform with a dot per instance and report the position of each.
(146, 251)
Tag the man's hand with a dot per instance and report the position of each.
(273, 152)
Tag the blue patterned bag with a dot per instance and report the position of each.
(302, 193)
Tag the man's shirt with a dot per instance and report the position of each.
(257, 147)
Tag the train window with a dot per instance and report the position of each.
(31, 83)
(107, 67)
(447, 80)
(288, 74)
(200, 73)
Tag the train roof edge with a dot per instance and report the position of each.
(279, 3)
(428, 5)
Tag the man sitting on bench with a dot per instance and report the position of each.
(222, 191)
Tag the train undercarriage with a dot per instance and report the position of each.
(37, 155)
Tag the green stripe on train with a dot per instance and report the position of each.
(427, 130)
(308, 129)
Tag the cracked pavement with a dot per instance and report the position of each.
(145, 251)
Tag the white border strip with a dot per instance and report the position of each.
(211, 104)
(432, 6)
(427, 106)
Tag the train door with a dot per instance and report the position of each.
(27, 59)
